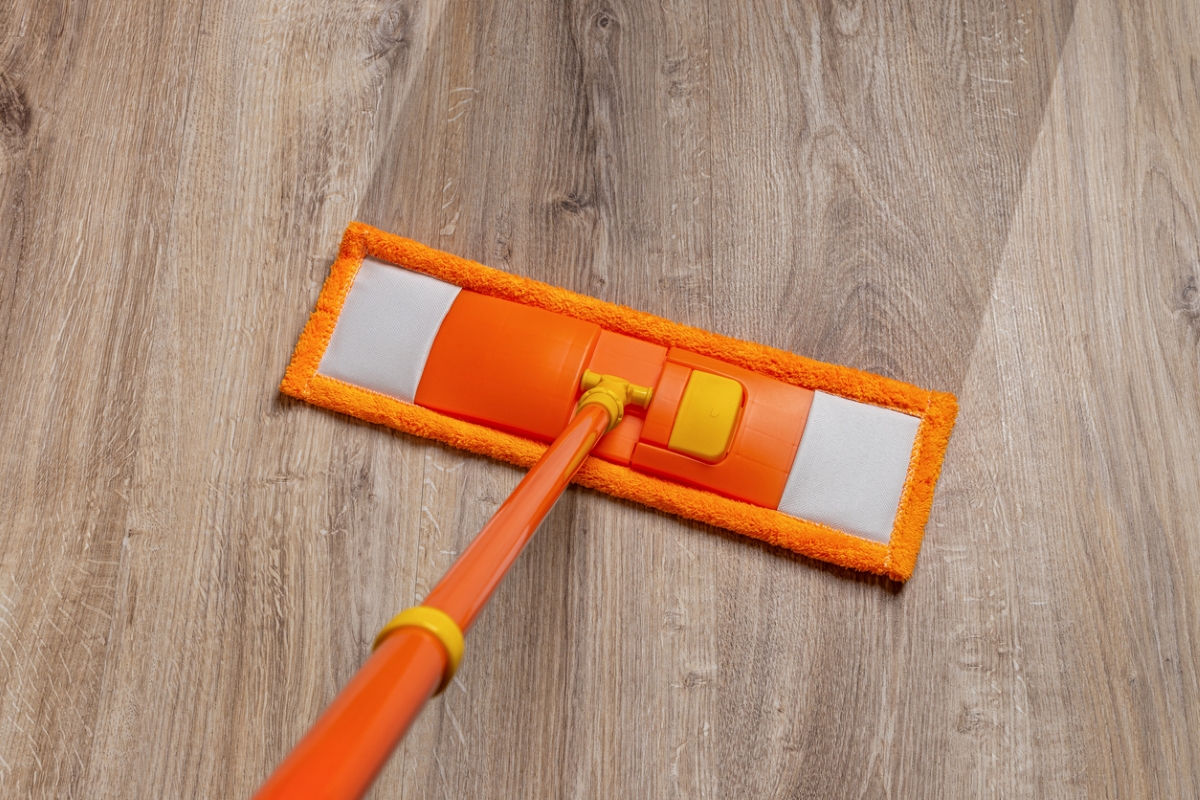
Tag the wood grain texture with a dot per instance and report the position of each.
(1001, 200)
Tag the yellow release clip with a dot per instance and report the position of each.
(707, 416)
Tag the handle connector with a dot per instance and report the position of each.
(613, 394)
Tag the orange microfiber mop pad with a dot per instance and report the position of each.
(824, 460)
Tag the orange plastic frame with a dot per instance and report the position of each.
(936, 410)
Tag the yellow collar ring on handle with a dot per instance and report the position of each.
(440, 625)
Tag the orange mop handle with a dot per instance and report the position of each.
(417, 653)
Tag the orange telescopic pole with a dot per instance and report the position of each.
(417, 653)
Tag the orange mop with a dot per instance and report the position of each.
(827, 461)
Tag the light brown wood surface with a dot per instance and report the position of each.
(993, 199)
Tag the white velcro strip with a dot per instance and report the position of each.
(850, 468)
(386, 329)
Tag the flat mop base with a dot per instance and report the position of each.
(824, 460)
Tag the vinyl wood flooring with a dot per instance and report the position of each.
(999, 199)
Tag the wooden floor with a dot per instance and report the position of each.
(998, 200)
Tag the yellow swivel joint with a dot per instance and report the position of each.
(613, 394)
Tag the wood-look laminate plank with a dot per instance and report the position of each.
(91, 146)
(1071, 585)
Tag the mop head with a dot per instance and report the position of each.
(826, 461)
